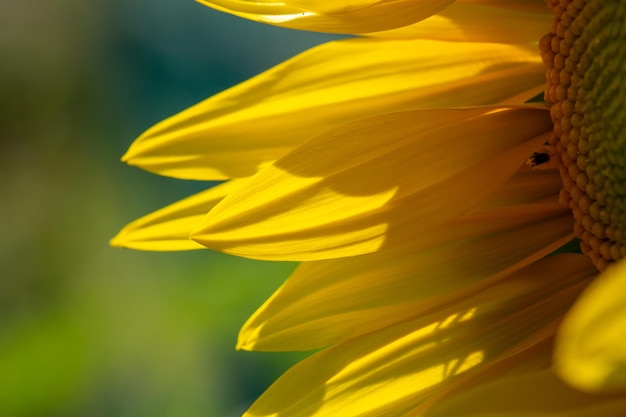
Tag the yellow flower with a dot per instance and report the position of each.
(392, 164)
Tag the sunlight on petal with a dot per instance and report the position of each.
(398, 167)
(395, 369)
(332, 6)
(235, 132)
(349, 17)
(326, 302)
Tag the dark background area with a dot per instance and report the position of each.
(89, 330)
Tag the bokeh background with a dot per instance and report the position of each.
(89, 330)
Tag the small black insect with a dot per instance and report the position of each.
(538, 158)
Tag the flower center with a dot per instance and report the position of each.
(586, 58)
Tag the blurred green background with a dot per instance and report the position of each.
(89, 330)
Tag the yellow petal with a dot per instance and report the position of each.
(527, 186)
(326, 302)
(538, 394)
(168, 229)
(239, 130)
(477, 22)
(393, 370)
(591, 349)
(374, 183)
(330, 6)
(352, 16)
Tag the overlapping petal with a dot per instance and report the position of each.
(374, 183)
(168, 229)
(591, 353)
(391, 371)
(537, 394)
(527, 186)
(494, 21)
(350, 17)
(241, 129)
(327, 302)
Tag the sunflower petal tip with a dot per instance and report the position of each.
(130, 157)
(244, 342)
(118, 241)
(136, 150)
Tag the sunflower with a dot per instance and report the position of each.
(460, 232)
